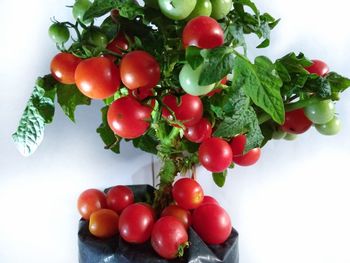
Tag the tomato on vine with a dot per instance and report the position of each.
(199, 132)
(220, 8)
(119, 44)
(79, 9)
(296, 122)
(318, 67)
(187, 193)
(63, 67)
(59, 33)
(332, 127)
(119, 197)
(177, 9)
(104, 223)
(202, 8)
(320, 112)
(209, 200)
(238, 144)
(183, 215)
(90, 201)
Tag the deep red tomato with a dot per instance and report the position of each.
(212, 93)
(318, 67)
(237, 145)
(97, 77)
(139, 69)
(136, 223)
(199, 132)
(296, 122)
(63, 67)
(188, 110)
(215, 155)
(90, 201)
(187, 193)
(104, 223)
(209, 200)
(203, 32)
(128, 118)
(119, 44)
(183, 215)
(119, 197)
(141, 93)
(212, 223)
(169, 237)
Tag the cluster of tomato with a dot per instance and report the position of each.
(136, 223)
(321, 114)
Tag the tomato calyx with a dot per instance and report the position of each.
(182, 248)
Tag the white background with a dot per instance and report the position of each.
(293, 206)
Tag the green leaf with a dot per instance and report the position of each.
(69, 97)
(249, 4)
(130, 10)
(319, 85)
(100, 8)
(217, 64)
(167, 172)
(337, 82)
(193, 57)
(236, 32)
(220, 178)
(38, 112)
(294, 63)
(111, 140)
(262, 84)
(109, 28)
(148, 142)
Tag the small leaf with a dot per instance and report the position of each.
(319, 85)
(337, 82)
(193, 57)
(220, 178)
(147, 143)
(100, 8)
(167, 172)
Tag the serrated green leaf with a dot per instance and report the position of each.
(147, 143)
(220, 178)
(295, 63)
(69, 97)
(109, 28)
(319, 85)
(193, 57)
(100, 8)
(337, 82)
(130, 10)
(167, 172)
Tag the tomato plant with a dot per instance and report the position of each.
(187, 193)
(90, 201)
(119, 197)
(296, 122)
(183, 215)
(97, 78)
(215, 155)
(332, 127)
(63, 67)
(136, 223)
(212, 223)
(139, 69)
(177, 9)
(128, 118)
(59, 33)
(169, 237)
(203, 32)
(320, 112)
(104, 223)
(199, 132)
(318, 67)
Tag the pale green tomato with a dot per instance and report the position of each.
(320, 112)
(189, 81)
(278, 134)
(220, 8)
(79, 9)
(177, 9)
(203, 8)
(290, 137)
(332, 127)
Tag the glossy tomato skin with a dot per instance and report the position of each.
(97, 78)
(320, 112)
(215, 155)
(128, 118)
(187, 193)
(79, 9)
(63, 67)
(212, 223)
(90, 201)
(202, 8)
(119, 44)
(139, 69)
(209, 200)
(296, 122)
(220, 8)
(104, 223)
(177, 9)
(238, 145)
(203, 32)
(183, 215)
(59, 33)
(318, 67)
(119, 197)
(199, 132)
(330, 128)
(189, 110)
(168, 235)
(136, 223)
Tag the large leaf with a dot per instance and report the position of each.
(220, 178)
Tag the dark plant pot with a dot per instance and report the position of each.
(115, 249)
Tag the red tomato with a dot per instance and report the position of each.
(119, 197)
(199, 132)
(90, 201)
(212, 223)
(203, 32)
(136, 223)
(209, 200)
(169, 237)
(104, 223)
(213, 92)
(215, 155)
(63, 67)
(141, 93)
(296, 122)
(188, 110)
(183, 215)
(139, 69)
(119, 44)
(97, 78)
(128, 118)
(318, 67)
(237, 145)
(187, 193)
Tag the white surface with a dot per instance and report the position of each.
(293, 206)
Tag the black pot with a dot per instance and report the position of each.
(115, 249)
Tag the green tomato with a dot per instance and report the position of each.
(96, 37)
(320, 112)
(177, 9)
(189, 79)
(220, 8)
(290, 137)
(152, 3)
(330, 128)
(59, 33)
(278, 134)
(203, 8)
(79, 9)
